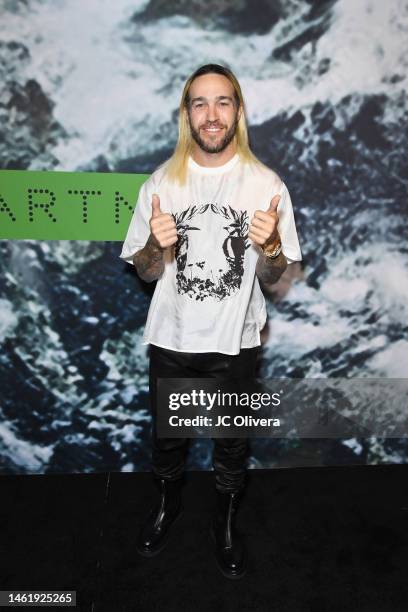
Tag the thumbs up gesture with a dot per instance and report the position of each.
(264, 225)
(162, 226)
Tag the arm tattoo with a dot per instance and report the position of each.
(149, 262)
(270, 270)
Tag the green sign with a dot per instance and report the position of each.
(67, 205)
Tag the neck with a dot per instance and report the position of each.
(212, 160)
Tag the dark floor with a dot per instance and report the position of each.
(331, 538)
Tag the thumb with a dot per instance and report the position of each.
(274, 204)
(155, 205)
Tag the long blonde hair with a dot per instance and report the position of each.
(176, 166)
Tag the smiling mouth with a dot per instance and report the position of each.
(212, 130)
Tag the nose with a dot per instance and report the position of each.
(212, 114)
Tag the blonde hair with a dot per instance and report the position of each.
(176, 166)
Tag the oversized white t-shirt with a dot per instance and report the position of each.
(208, 298)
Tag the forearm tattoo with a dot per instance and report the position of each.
(270, 270)
(149, 261)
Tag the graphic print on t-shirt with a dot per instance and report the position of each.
(209, 254)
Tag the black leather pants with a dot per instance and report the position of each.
(169, 454)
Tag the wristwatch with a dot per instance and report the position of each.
(272, 250)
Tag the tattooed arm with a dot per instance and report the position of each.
(270, 270)
(149, 261)
(263, 231)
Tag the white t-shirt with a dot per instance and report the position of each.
(208, 298)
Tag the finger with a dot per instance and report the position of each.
(274, 204)
(255, 238)
(266, 216)
(169, 242)
(155, 205)
(165, 235)
(261, 235)
(265, 224)
(260, 228)
(162, 221)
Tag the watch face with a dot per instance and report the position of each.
(274, 253)
(274, 250)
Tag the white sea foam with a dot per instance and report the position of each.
(354, 445)
(336, 309)
(298, 336)
(23, 454)
(392, 362)
(8, 319)
(115, 84)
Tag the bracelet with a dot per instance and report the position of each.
(275, 251)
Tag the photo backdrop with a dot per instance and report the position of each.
(94, 87)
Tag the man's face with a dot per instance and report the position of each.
(212, 112)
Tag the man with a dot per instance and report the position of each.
(208, 224)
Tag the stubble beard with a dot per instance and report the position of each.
(215, 148)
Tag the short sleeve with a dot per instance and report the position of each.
(287, 227)
(139, 227)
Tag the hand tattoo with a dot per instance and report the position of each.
(149, 261)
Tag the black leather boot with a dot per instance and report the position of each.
(154, 533)
(230, 550)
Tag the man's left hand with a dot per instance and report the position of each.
(264, 225)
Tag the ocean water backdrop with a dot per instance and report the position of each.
(95, 86)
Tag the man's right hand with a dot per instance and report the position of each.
(162, 226)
